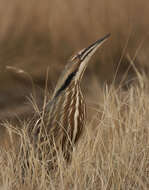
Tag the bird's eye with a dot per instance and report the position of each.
(73, 58)
(77, 56)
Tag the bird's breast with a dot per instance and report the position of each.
(67, 116)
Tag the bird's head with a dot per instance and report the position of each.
(76, 66)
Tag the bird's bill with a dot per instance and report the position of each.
(89, 51)
(86, 54)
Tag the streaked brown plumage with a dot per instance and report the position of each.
(65, 113)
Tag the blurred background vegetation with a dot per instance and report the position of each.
(37, 36)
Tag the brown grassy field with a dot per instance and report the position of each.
(112, 154)
(37, 39)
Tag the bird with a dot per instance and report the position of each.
(65, 113)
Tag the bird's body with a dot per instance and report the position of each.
(65, 113)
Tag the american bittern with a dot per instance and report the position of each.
(65, 113)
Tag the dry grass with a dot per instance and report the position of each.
(112, 154)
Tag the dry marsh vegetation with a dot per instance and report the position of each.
(113, 152)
